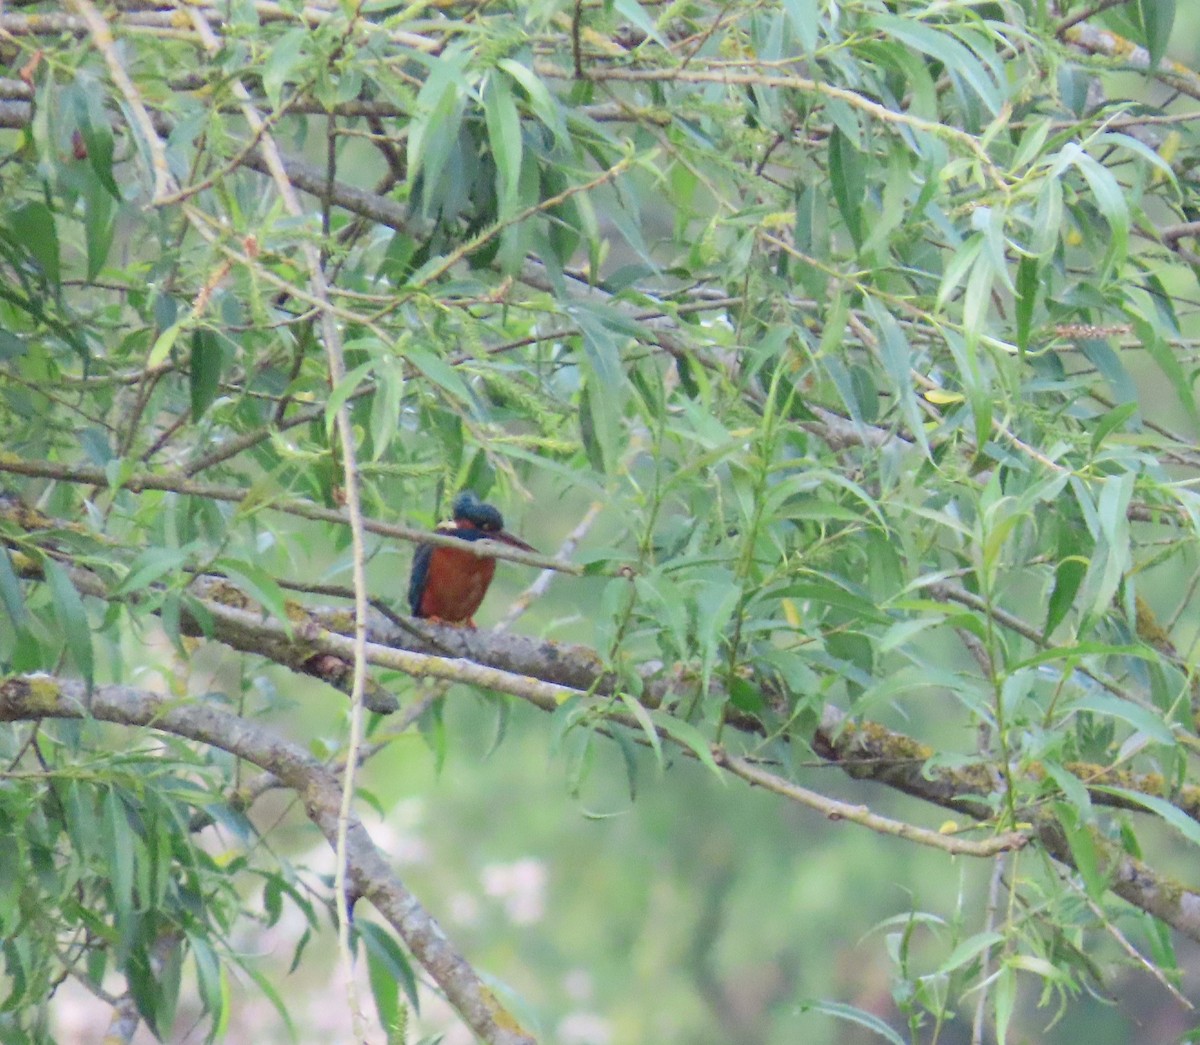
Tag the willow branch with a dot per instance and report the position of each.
(860, 814)
(870, 751)
(103, 39)
(729, 76)
(138, 482)
(1104, 41)
(34, 697)
(862, 750)
(335, 359)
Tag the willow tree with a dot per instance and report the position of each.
(848, 348)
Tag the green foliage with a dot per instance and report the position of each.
(872, 328)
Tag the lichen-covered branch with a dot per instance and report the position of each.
(870, 751)
(547, 674)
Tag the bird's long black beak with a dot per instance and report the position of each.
(507, 538)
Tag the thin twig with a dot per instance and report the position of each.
(858, 814)
(989, 921)
(1125, 945)
(473, 244)
(732, 77)
(538, 588)
(331, 335)
(103, 39)
(91, 476)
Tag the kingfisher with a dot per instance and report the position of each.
(448, 585)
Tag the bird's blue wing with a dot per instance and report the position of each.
(420, 574)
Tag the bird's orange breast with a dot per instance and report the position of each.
(455, 585)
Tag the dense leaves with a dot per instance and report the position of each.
(869, 326)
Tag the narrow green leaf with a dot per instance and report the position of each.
(72, 618)
(596, 432)
(601, 348)
(850, 1014)
(715, 605)
(119, 856)
(386, 992)
(1068, 575)
(545, 106)
(970, 949)
(977, 299)
(208, 974)
(1033, 140)
(897, 356)
(1047, 970)
(804, 18)
(99, 223)
(385, 408)
(387, 962)
(14, 967)
(10, 591)
(34, 227)
(1004, 1000)
(98, 139)
(1083, 847)
(629, 758)
(960, 264)
(1167, 358)
(1100, 354)
(666, 603)
(344, 389)
(437, 117)
(1028, 286)
(143, 983)
(504, 134)
(958, 60)
(1048, 226)
(1157, 17)
(1110, 198)
(1174, 816)
(438, 371)
(148, 567)
(639, 711)
(1139, 718)
(1154, 159)
(283, 63)
(256, 583)
(169, 975)
(847, 179)
(1110, 422)
(163, 345)
(689, 737)
(204, 372)
(81, 820)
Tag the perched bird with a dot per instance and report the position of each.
(447, 584)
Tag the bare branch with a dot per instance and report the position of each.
(858, 814)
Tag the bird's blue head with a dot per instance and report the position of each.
(470, 509)
(475, 520)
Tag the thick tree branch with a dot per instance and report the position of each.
(34, 697)
(863, 750)
(870, 751)
(1095, 40)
